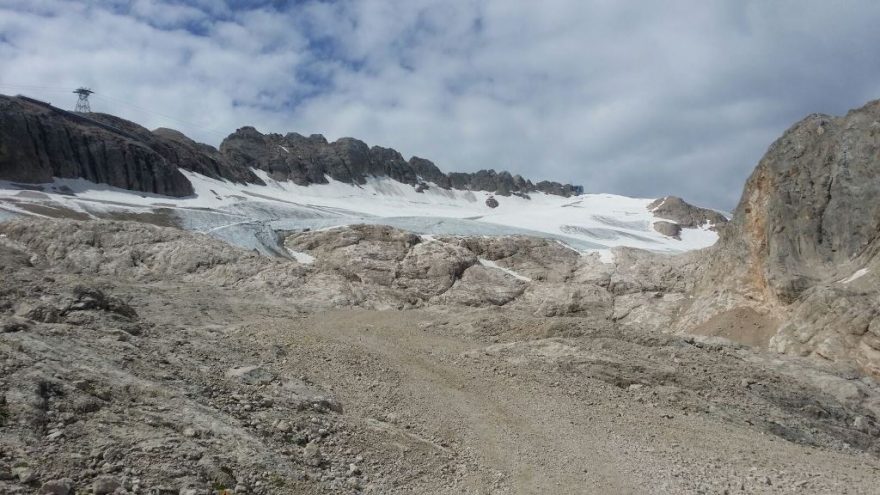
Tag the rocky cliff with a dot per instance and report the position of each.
(38, 142)
(803, 243)
(310, 160)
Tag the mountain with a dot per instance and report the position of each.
(803, 246)
(39, 142)
(149, 349)
(58, 163)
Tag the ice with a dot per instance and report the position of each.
(249, 215)
(855, 276)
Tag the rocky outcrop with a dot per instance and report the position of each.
(670, 229)
(310, 160)
(680, 214)
(39, 142)
(804, 242)
(199, 157)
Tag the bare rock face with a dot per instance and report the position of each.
(480, 285)
(200, 158)
(683, 214)
(670, 229)
(812, 203)
(310, 160)
(804, 241)
(39, 142)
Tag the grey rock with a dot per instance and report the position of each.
(684, 214)
(24, 474)
(105, 485)
(62, 486)
(491, 202)
(670, 229)
(14, 324)
(91, 298)
(307, 160)
(39, 142)
(803, 243)
(251, 375)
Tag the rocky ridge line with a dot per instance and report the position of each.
(39, 142)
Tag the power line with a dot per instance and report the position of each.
(158, 114)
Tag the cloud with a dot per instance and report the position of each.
(641, 99)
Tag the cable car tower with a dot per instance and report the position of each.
(82, 105)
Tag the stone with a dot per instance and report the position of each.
(14, 324)
(63, 486)
(104, 485)
(684, 214)
(309, 160)
(669, 229)
(802, 242)
(24, 474)
(251, 375)
(491, 202)
(312, 455)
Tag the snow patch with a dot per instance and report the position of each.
(855, 276)
(492, 264)
(300, 257)
(246, 214)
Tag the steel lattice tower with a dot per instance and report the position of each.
(82, 105)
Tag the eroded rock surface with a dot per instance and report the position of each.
(803, 246)
(152, 360)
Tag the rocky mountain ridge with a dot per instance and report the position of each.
(39, 141)
(139, 358)
(803, 246)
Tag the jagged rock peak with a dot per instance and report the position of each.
(308, 160)
(683, 215)
(39, 142)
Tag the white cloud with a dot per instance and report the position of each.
(642, 99)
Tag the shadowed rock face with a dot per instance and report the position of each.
(38, 142)
(307, 160)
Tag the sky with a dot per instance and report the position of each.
(638, 98)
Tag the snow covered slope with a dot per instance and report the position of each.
(249, 215)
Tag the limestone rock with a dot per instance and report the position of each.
(684, 214)
(480, 285)
(62, 486)
(802, 245)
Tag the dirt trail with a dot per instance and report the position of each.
(525, 432)
(506, 423)
(209, 387)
